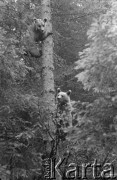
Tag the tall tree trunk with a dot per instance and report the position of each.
(47, 60)
(48, 66)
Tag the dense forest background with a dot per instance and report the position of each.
(85, 55)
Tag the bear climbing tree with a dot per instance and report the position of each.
(38, 31)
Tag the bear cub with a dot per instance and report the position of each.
(36, 34)
(38, 30)
(64, 104)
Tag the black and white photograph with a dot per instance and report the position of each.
(58, 89)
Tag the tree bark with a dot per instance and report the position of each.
(47, 60)
(48, 66)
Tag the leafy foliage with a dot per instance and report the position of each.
(98, 73)
(19, 107)
(98, 60)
